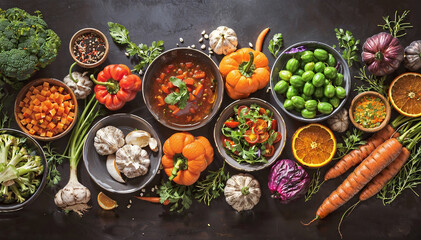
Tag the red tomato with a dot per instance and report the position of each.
(244, 112)
(261, 126)
(251, 124)
(251, 136)
(230, 142)
(274, 125)
(231, 124)
(262, 111)
(269, 151)
(263, 137)
(278, 137)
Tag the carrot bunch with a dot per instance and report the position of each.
(380, 160)
(46, 110)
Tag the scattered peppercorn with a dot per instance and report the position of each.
(89, 48)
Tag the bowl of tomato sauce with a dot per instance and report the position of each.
(183, 89)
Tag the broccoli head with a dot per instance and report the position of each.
(26, 44)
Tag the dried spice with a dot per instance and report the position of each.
(370, 112)
(89, 48)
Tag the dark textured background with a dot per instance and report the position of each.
(168, 20)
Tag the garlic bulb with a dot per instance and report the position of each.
(223, 40)
(339, 122)
(242, 192)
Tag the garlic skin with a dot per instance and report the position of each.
(223, 40)
(82, 88)
(339, 122)
(242, 192)
(132, 161)
(108, 140)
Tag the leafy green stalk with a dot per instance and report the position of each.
(53, 159)
(315, 185)
(212, 186)
(352, 140)
(349, 44)
(408, 178)
(275, 44)
(146, 54)
(374, 83)
(179, 97)
(396, 27)
(180, 197)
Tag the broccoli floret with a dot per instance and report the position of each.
(3, 192)
(26, 44)
(18, 196)
(6, 141)
(6, 195)
(18, 64)
(18, 154)
(34, 165)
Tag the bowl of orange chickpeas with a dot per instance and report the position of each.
(46, 109)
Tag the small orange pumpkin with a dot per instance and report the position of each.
(245, 71)
(185, 157)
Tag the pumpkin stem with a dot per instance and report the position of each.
(247, 68)
(379, 56)
(245, 191)
(111, 84)
(180, 164)
(70, 72)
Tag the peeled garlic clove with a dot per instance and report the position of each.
(138, 137)
(153, 144)
(112, 169)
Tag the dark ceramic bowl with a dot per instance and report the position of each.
(96, 164)
(229, 112)
(33, 145)
(280, 63)
(168, 57)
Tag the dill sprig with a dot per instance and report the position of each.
(212, 186)
(408, 178)
(315, 185)
(396, 27)
(352, 140)
(374, 83)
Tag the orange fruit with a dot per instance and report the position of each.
(313, 145)
(405, 94)
(106, 202)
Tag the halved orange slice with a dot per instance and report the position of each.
(313, 145)
(405, 94)
(106, 202)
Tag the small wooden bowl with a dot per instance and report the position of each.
(375, 94)
(21, 96)
(83, 31)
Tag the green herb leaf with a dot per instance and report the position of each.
(178, 97)
(352, 140)
(396, 27)
(275, 44)
(349, 44)
(315, 185)
(212, 186)
(53, 160)
(119, 33)
(176, 193)
(375, 83)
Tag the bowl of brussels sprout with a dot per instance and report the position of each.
(310, 81)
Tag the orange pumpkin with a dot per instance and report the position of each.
(185, 157)
(245, 71)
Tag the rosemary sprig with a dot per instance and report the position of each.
(212, 186)
(352, 140)
(374, 83)
(349, 44)
(315, 185)
(396, 27)
(408, 178)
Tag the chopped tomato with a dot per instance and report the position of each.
(278, 137)
(230, 143)
(274, 125)
(269, 151)
(251, 136)
(231, 123)
(261, 126)
(262, 111)
(243, 112)
(250, 123)
(263, 137)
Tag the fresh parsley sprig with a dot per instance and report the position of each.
(180, 197)
(212, 186)
(275, 44)
(374, 83)
(146, 54)
(349, 44)
(53, 160)
(352, 140)
(396, 27)
(179, 97)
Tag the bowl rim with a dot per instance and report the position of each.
(359, 126)
(37, 82)
(18, 206)
(159, 153)
(87, 30)
(217, 104)
(347, 80)
(256, 167)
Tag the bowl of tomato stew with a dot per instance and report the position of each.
(183, 89)
(250, 134)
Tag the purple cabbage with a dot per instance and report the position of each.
(288, 181)
(296, 50)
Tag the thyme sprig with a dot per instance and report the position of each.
(315, 185)
(396, 27)
(374, 83)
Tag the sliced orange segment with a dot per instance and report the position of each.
(405, 94)
(106, 202)
(313, 145)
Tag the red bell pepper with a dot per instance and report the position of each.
(116, 85)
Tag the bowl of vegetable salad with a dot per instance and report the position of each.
(183, 89)
(310, 81)
(250, 134)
